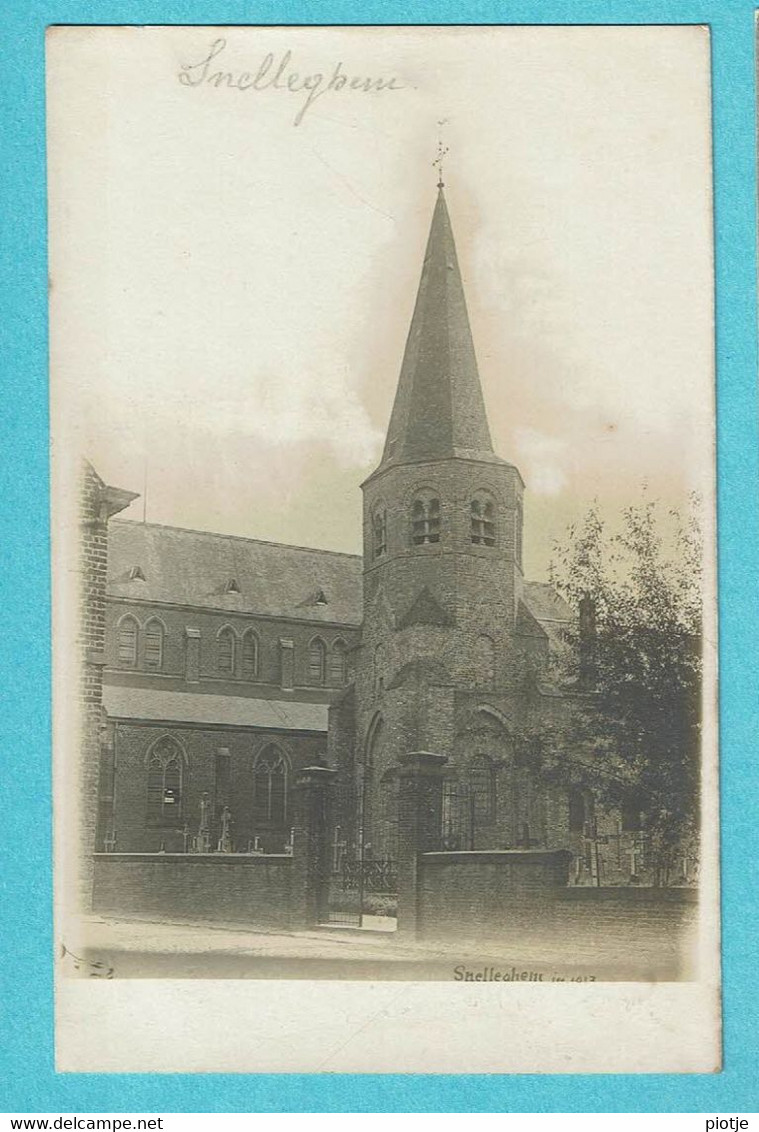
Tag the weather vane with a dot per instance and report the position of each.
(441, 152)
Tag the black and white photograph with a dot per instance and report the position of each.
(382, 424)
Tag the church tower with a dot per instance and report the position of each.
(442, 544)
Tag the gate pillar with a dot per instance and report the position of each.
(420, 805)
(311, 861)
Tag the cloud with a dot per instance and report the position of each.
(543, 461)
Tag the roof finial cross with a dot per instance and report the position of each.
(442, 150)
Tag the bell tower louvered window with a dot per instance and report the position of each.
(482, 522)
(425, 520)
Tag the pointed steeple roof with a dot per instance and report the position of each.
(439, 410)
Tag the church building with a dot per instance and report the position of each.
(229, 664)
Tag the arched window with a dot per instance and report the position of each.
(225, 651)
(578, 810)
(482, 789)
(375, 742)
(270, 787)
(338, 664)
(484, 660)
(425, 519)
(632, 819)
(128, 642)
(379, 532)
(154, 644)
(482, 521)
(164, 782)
(249, 655)
(317, 661)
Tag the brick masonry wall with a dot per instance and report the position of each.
(497, 895)
(477, 589)
(269, 631)
(253, 890)
(133, 741)
(475, 585)
(477, 895)
(90, 649)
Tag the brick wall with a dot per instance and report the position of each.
(476, 895)
(269, 631)
(200, 745)
(219, 887)
(476, 586)
(90, 647)
(489, 896)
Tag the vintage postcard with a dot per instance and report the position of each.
(382, 381)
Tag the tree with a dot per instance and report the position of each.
(634, 660)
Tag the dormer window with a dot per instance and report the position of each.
(482, 522)
(425, 520)
(379, 532)
(320, 598)
(232, 587)
(136, 574)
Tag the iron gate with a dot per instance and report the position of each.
(360, 889)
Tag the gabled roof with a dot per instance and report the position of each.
(545, 603)
(439, 410)
(541, 602)
(182, 567)
(528, 625)
(424, 610)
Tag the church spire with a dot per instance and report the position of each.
(439, 410)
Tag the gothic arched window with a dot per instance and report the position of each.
(578, 813)
(425, 519)
(225, 651)
(375, 742)
(249, 655)
(484, 659)
(154, 644)
(317, 661)
(379, 532)
(632, 818)
(338, 664)
(482, 521)
(164, 782)
(270, 787)
(482, 788)
(128, 642)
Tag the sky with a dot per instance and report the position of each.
(234, 265)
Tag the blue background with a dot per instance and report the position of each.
(29, 1082)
